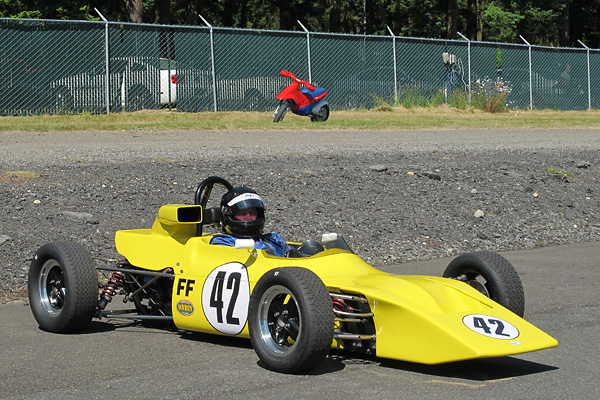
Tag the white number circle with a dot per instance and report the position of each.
(225, 298)
(491, 326)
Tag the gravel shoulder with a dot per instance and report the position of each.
(394, 195)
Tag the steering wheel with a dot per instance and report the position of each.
(205, 188)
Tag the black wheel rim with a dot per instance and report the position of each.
(52, 287)
(280, 324)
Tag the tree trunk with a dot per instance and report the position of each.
(286, 22)
(472, 19)
(135, 11)
(480, 10)
(368, 17)
(565, 32)
(229, 8)
(191, 13)
(335, 16)
(452, 22)
(163, 12)
(243, 22)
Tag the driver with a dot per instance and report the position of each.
(243, 217)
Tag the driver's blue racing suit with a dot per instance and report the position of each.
(271, 243)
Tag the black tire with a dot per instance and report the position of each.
(491, 274)
(322, 115)
(291, 320)
(63, 287)
(280, 111)
(139, 98)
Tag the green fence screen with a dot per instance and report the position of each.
(65, 67)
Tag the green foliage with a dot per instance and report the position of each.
(411, 97)
(541, 22)
(381, 104)
(459, 100)
(29, 14)
(501, 23)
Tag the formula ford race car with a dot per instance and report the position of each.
(294, 309)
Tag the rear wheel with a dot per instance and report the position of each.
(291, 320)
(139, 98)
(63, 287)
(322, 115)
(280, 111)
(492, 275)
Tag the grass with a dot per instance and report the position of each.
(553, 171)
(18, 176)
(395, 117)
(162, 159)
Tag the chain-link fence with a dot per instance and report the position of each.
(59, 67)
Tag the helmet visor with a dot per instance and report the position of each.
(245, 201)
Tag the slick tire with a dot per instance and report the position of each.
(491, 274)
(63, 287)
(291, 320)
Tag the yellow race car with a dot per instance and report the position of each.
(295, 308)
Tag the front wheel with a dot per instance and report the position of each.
(492, 275)
(63, 287)
(291, 320)
(321, 115)
(280, 111)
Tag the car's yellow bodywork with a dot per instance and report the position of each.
(421, 319)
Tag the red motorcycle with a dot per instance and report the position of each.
(307, 102)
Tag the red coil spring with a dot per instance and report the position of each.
(110, 289)
(340, 305)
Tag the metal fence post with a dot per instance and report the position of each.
(395, 73)
(308, 50)
(212, 62)
(468, 62)
(589, 78)
(106, 49)
(530, 75)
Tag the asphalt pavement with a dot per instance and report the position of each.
(125, 360)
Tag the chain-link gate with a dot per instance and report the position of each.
(64, 67)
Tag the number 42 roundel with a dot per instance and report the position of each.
(491, 327)
(225, 298)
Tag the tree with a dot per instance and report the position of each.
(472, 19)
(501, 24)
(335, 16)
(135, 10)
(545, 22)
(191, 13)
(452, 19)
(163, 12)
(565, 28)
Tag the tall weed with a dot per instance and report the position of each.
(490, 95)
